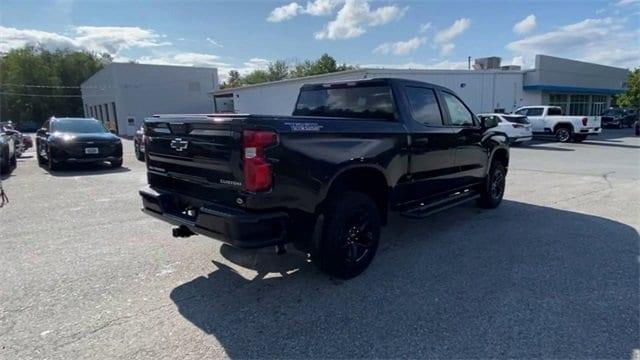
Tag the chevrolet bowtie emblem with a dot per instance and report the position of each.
(179, 144)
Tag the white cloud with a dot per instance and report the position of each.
(204, 60)
(604, 41)
(313, 8)
(526, 25)
(425, 27)
(322, 7)
(400, 47)
(446, 49)
(444, 38)
(284, 12)
(441, 65)
(627, 2)
(355, 16)
(518, 61)
(453, 31)
(214, 43)
(100, 39)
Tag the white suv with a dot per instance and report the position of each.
(516, 127)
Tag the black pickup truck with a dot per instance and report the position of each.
(325, 178)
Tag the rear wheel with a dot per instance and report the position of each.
(563, 134)
(116, 163)
(492, 190)
(350, 235)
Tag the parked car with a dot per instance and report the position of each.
(549, 120)
(7, 128)
(8, 157)
(138, 143)
(76, 140)
(619, 117)
(516, 127)
(326, 177)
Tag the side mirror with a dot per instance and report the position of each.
(488, 122)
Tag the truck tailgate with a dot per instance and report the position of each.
(195, 155)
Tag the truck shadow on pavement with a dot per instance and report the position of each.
(519, 281)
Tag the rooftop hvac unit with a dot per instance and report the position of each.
(488, 63)
(510, 67)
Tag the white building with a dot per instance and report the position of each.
(121, 95)
(580, 88)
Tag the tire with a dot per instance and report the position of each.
(51, 165)
(13, 163)
(579, 138)
(492, 190)
(5, 164)
(620, 124)
(139, 154)
(350, 235)
(116, 163)
(563, 134)
(41, 160)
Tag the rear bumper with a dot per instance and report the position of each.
(236, 227)
(519, 139)
(590, 131)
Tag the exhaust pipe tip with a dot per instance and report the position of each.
(182, 232)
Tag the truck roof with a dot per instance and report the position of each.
(368, 82)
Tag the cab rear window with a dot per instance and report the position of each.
(370, 102)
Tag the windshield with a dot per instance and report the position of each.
(612, 112)
(516, 119)
(82, 126)
(358, 102)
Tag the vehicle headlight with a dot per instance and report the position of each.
(67, 137)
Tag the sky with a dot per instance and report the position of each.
(246, 35)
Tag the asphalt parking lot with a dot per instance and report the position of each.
(552, 273)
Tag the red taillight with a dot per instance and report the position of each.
(257, 171)
(584, 121)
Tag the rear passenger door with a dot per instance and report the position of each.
(536, 118)
(432, 149)
(471, 155)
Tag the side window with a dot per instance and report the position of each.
(424, 106)
(554, 111)
(522, 112)
(535, 112)
(459, 114)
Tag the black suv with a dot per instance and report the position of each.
(326, 177)
(76, 140)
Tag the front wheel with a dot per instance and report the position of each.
(492, 189)
(116, 164)
(350, 235)
(563, 134)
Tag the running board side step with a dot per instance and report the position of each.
(450, 201)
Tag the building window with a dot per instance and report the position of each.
(598, 104)
(115, 116)
(560, 100)
(579, 105)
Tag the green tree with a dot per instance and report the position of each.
(36, 84)
(233, 80)
(631, 98)
(278, 70)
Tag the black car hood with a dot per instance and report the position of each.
(86, 137)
